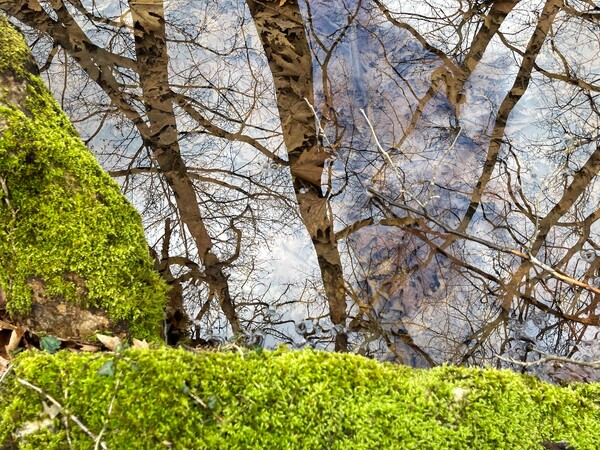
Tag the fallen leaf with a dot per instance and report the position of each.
(6, 326)
(15, 339)
(315, 211)
(110, 342)
(32, 427)
(50, 344)
(459, 393)
(50, 410)
(140, 344)
(107, 369)
(89, 348)
(309, 166)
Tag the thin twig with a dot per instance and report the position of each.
(6, 372)
(385, 154)
(439, 163)
(108, 413)
(205, 406)
(4, 187)
(390, 162)
(61, 409)
(65, 422)
(318, 122)
(547, 357)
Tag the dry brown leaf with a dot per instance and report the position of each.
(89, 348)
(15, 339)
(6, 326)
(110, 342)
(140, 344)
(282, 2)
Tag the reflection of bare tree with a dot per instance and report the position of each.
(216, 201)
(150, 106)
(467, 230)
(523, 280)
(281, 30)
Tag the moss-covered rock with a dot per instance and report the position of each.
(73, 257)
(286, 400)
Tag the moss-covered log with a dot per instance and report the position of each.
(285, 400)
(73, 258)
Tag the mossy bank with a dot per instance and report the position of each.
(286, 400)
(67, 235)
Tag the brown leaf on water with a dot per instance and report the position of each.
(315, 210)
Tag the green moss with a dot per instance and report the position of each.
(15, 53)
(292, 400)
(63, 220)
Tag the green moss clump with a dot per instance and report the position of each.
(63, 220)
(291, 400)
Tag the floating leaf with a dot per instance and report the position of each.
(271, 311)
(309, 166)
(50, 344)
(107, 369)
(588, 255)
(301, 328)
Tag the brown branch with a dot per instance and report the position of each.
(547, 357)
(526, 256)
(511, 99)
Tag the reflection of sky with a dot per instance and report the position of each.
(286, 258)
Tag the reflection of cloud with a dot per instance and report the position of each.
(289, 259)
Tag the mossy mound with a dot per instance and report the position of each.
(67, 234)
(287, 400)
